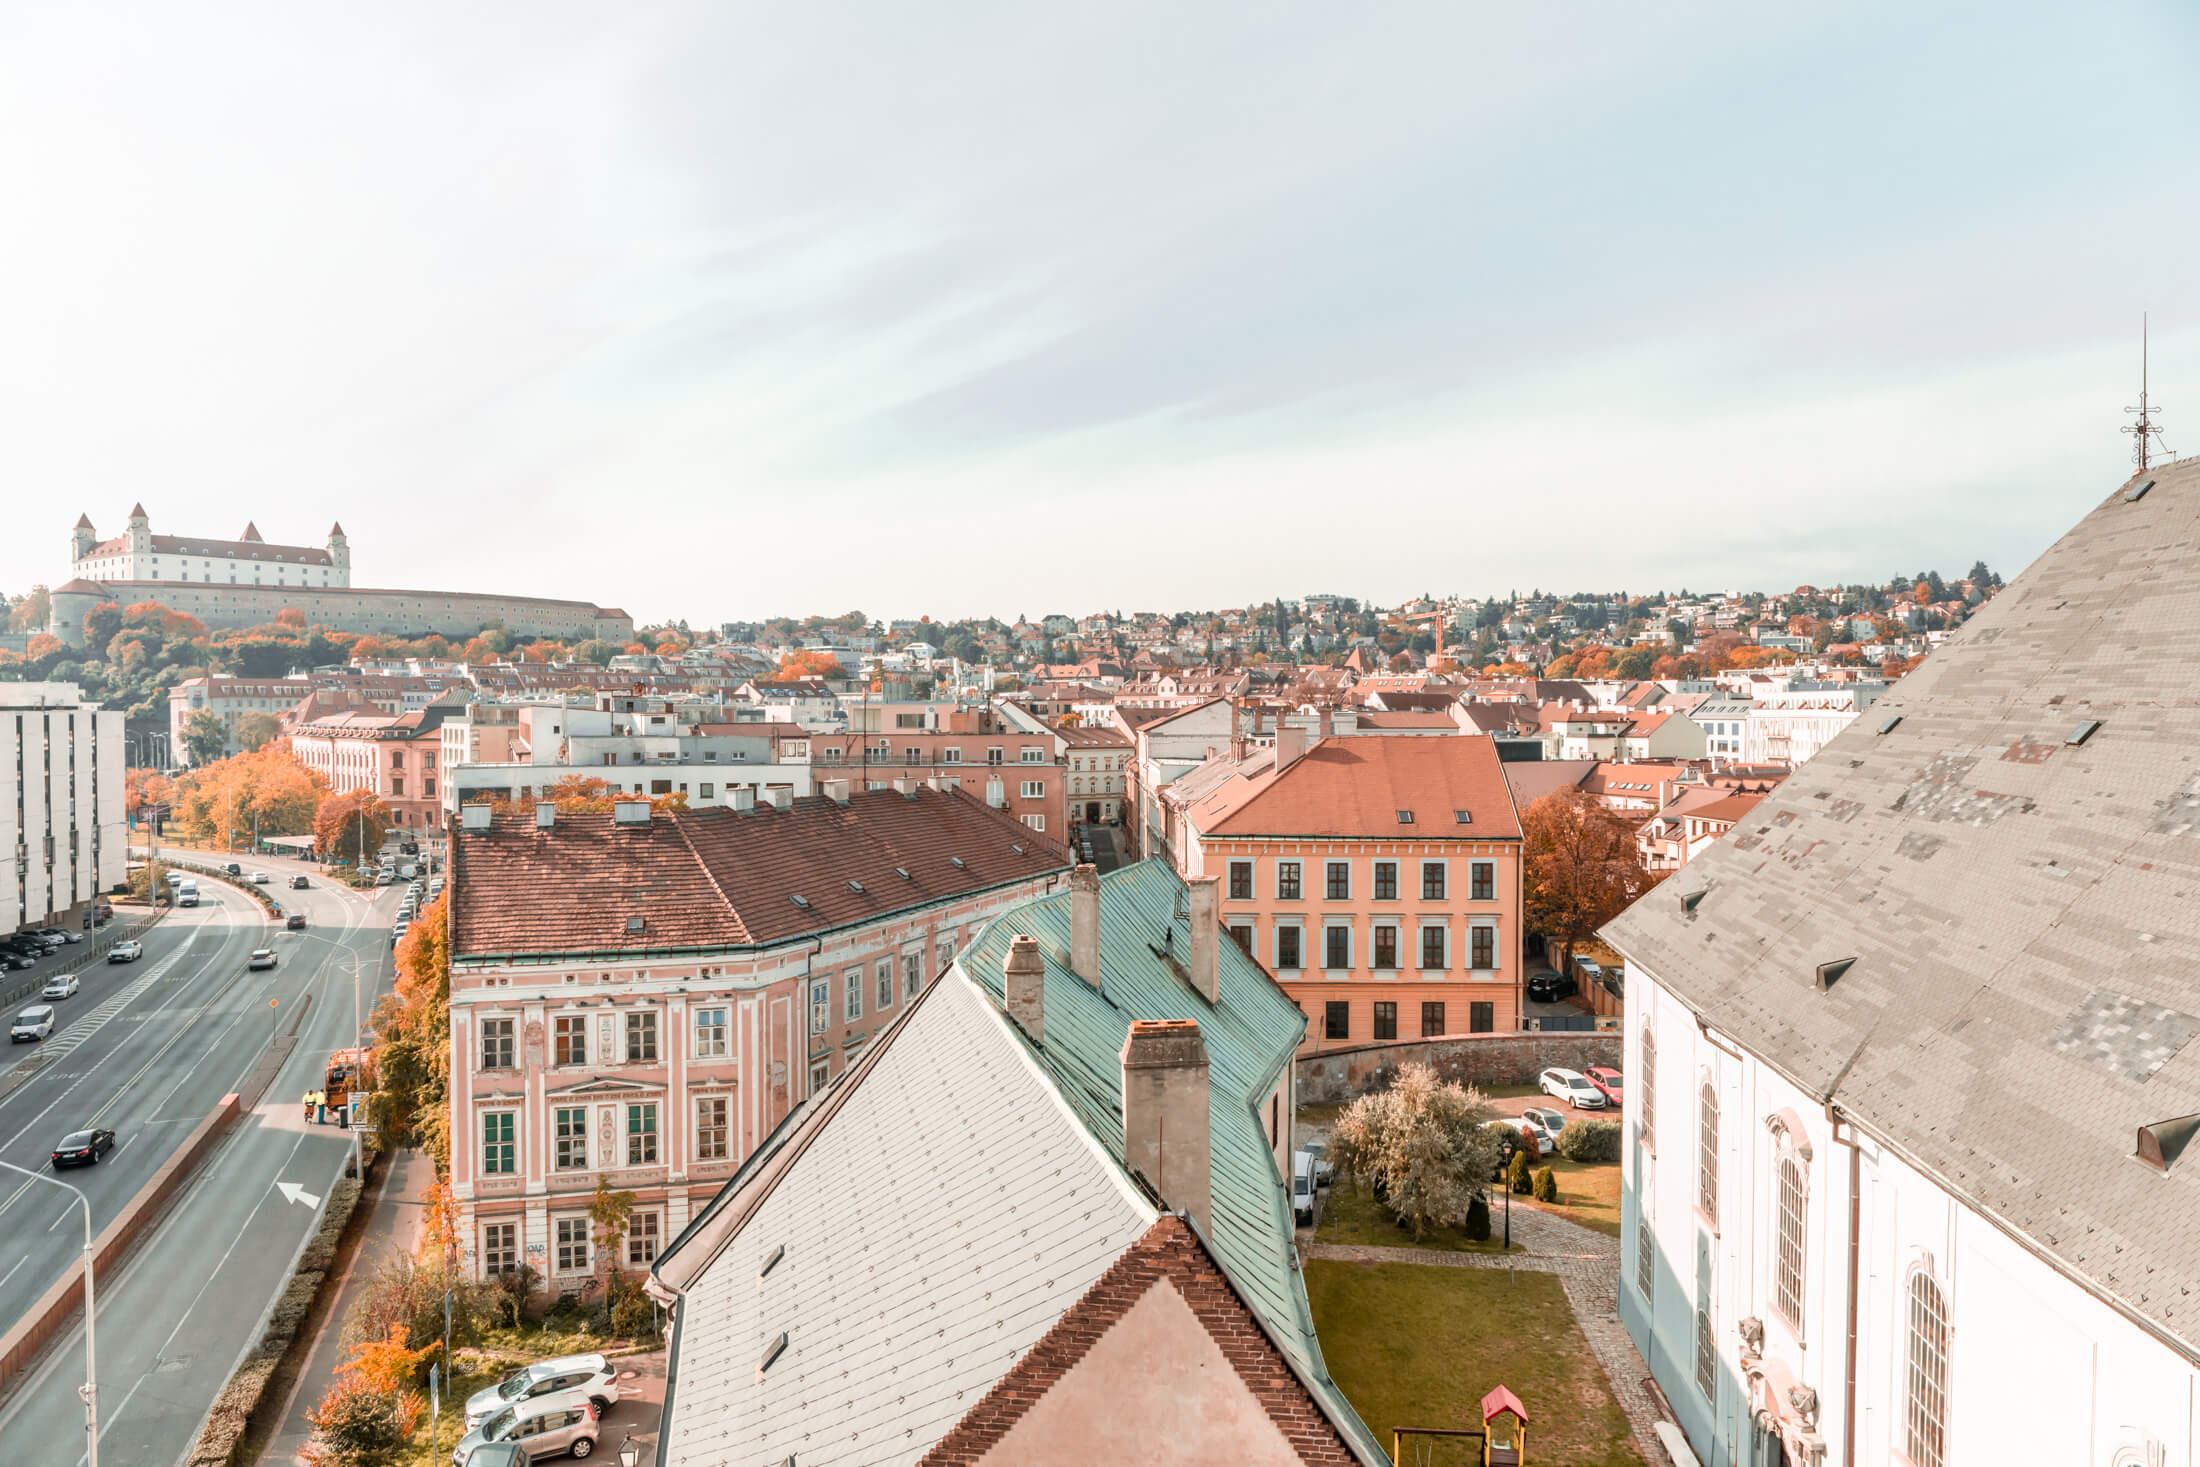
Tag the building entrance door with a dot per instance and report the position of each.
(1092, 812)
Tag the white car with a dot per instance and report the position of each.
(34, 1023)
(129, 950)
(259, 878)
(1573, 1087)
(591, 1375)
(1545, 1138)
(62, 987)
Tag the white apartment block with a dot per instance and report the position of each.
(61, 811)
(1789, 725)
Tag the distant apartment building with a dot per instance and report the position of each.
(638, 744)
(641, 999)
(398, 758)
(1007, 765)
(1788, 725)
(229, 699)
(62, 834)
(1378, 878)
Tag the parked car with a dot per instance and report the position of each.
(591, 1375)
(383, 878)
(59, 935)
(234, 869)
(104, 912)
(1607, 1080)
(295, 922)
(1549, 987)
(1573, 1087)
(17, 958)
(397, 933)
(61, 985)
(262, 957)
(1302, 1186)
(259, 878)
(299, 883)
(548, 1426)
(1588, 970)
(1324, 1172)
(34, 1023)
(83, 1148)
(1545, 1138)
(129, 950)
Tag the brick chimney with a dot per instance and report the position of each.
(1205, 960)
(1084, 923)
(1165, 1115)
(1024, 988)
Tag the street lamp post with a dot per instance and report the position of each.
(90, 1389)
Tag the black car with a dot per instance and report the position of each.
(1550, 987)
(234, 869)
(83, 1148)
(299, 883)
(295, 922)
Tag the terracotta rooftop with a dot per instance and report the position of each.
(1357, 787)
(726, 878)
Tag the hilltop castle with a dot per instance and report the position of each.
(245, 582)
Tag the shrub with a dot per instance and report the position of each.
(1532, 1144)
(634, 1317)
(1517, 1176)
(1478, 1220)
(1546, 1185)
(1590, 1141)
(1421, 1144)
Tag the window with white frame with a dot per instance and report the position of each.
(1033, 756)
(912, 972)
(1337, 947)
(1787, 1260)
(499, 1248)
(884, 973)
(1032, 789)
(710, 1128)
(1482, 947)
(641, 1037)
(572, 1234)
(644, 1233)
(710, 1033)
(571, 1032)
(1288, 957)
(1036, 822)
(1433, 881)
(496, 1044)
(1925, 1421)
(641, 1134)
(820, 1075)
(499, 1151)
(570, 1153)
(851, 994)
(1432, 946)
(1707, 1151)
(1481, 881)
(1386, 945)
(944, 953)
(821, 1005)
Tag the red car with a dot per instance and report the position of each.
(1608, 1080)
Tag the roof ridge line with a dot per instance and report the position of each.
(740, 923)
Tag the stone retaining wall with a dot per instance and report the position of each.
(1337, 1075)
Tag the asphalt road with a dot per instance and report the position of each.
(147, 1049)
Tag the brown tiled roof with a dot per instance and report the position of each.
(1532, 779)
(726, 878)
(1169, 1252)
(1355, 787)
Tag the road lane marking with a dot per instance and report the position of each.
(292, 1192)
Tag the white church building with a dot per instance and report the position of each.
(1910, 1055)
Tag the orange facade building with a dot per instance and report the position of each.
(1378, 878)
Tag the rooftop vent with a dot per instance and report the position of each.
(1830, 973)
(1887, 727)
(630, 812)
(2161, 1143)
(1405, 817)
(772, 1262)
(772, 1351)
(2083, 731)
(474, 817)
(957, 863)
(2138, 491)
(1019, 850)
(800, 900)
(903, 873)
(1462, 817)
(545, 816)
(856, 887)
(635, 924)
(1690, 900)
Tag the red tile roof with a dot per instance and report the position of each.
(724, 878)
(1355, 787)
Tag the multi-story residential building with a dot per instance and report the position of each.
(229, 699)
(398, 758)
(813, 704)
(1788, 725)
(1109, 1168)
(1724, 719)
(62, 838)
(642, 998)
(1009, 765)
(1378, 878)
(1908, 1175)
(636, 743)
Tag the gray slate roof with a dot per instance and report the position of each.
(2024, 912)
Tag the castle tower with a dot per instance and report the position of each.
(86, 537)
(140, 548)
(339, 551)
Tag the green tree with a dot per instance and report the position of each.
(204, 738)
(612, 1213)
(255, 729)
(595, 650)
(31, 612)
(1421, 1144)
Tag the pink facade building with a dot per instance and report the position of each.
(976, 749)
(642, 998)
(397, 758)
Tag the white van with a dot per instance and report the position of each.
(187, 893)
(1302, 1186)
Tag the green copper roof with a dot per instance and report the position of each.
(1250, 1035)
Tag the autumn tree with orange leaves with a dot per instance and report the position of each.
(351, 825)
(1582, 870)
(411, 1102)
(809, 662)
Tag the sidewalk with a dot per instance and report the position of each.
(393, 1228)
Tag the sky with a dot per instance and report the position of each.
(718, 311)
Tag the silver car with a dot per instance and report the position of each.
(546, 1426)
(591, 1375)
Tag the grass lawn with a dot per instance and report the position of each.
(1588, 1193)
(1418, 1346)
(1352, 1215)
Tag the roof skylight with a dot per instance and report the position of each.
(856, 887)
(2083, 731)
(1405, 817)
(957, 863)
(800, 900)
(1462, 817)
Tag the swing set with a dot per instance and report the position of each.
(1503, 1437)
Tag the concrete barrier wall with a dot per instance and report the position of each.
(1338, 1075)
(20, 1346)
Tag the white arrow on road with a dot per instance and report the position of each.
(292, 1192)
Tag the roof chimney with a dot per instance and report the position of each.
(630, 812)
(835, 790)
(1165, 1114)
(906, 788)
(1024, 988)
(545, 816)
(1290, 743)
(1205, 961)
(744, 799)
(1084, 923)
(779, 798)
(474, 817)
